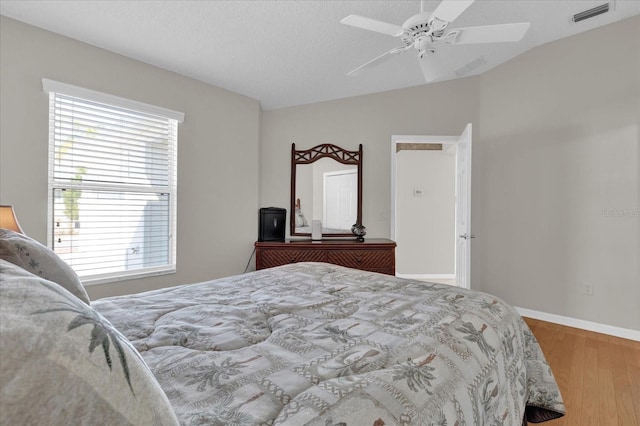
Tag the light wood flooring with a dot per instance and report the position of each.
(598, 375)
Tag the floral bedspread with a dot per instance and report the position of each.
(319, 344)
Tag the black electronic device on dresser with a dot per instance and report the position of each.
(271, 224)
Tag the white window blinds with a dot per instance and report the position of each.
(112, 184)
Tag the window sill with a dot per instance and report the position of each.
(127, 276)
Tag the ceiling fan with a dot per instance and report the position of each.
(425, 31)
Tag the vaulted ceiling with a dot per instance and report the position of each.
(287, 53)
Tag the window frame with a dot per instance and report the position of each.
(54, 87)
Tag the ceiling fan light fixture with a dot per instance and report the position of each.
(598, 10)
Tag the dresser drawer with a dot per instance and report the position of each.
(375, 255)
(271, 258)
(362, 259)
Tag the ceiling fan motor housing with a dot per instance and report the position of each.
(417, 23)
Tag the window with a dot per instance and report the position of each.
(112, 184)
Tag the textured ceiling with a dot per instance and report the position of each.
(287, 53)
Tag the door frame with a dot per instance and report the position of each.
(449, 141)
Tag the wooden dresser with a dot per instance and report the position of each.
(375, 255)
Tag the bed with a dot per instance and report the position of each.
(302, 344)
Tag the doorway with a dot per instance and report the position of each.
(430, 206)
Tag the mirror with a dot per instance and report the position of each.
(326, 185)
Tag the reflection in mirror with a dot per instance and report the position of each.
(326, 185)
(327, 191)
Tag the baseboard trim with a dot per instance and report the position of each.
(624, 333)
(427, 276)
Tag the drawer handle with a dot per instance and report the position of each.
(293, 260)
(359, 260)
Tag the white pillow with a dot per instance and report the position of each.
(63, 363)
(40, 260)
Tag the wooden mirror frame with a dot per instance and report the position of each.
(314, 154)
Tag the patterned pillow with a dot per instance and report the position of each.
(40, 260)
(63, 363)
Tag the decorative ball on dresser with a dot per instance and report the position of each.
(359, 231)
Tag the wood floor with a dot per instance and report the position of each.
(598, 375)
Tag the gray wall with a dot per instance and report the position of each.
(558, 148)
(217, 154)
(555, 145)
(438, 109)
(555, 159)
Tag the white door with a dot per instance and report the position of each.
(340, 199)
(462, 190)
(463, 209)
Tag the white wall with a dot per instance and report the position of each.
(425, 231)
(217, 154)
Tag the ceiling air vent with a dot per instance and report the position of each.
(464, 70)
(598, 10)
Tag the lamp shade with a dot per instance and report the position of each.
(8, 219)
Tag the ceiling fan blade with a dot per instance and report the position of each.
(373, 25)
(490, 33)
(431, 70)
(377, 60)
(449, 10)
